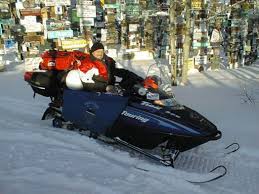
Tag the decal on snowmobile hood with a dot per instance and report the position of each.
(173, 114)
(133, 116)
(144, 103)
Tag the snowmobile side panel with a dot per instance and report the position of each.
(92, 110)
(149, 129)
(156, 123)
(182, 116)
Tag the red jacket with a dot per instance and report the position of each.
(68, 60)
(87, 64)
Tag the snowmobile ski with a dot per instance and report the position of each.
(231, 148)
(197, 178)
(210, 176)
(207, 177)
(223, 152)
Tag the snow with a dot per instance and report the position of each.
(37, 158)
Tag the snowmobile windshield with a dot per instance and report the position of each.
(162, 77)
(157, 86)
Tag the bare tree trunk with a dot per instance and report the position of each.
(187, 42)
(87, 37)
(172, 41)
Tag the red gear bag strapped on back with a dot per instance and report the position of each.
(58, 60)
(68, 60)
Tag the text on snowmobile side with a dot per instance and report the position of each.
(137, 117)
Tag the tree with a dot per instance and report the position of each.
(187, 41)
(172, 41)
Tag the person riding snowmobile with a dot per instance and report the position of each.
(90, 75)
(97, 54)
(98, 72)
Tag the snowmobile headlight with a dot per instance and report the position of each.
(166, 102)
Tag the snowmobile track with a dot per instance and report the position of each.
(196, 163)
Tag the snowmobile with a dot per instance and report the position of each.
(143, 118)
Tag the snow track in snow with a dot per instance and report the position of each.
(239, 175)
(28, 108)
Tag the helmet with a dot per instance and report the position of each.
(73, 80)
(151, 82)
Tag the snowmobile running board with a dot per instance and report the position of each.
(167, 163)
(151, 156)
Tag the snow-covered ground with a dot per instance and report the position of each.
(37, 158)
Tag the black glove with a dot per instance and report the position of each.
(97, 78)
